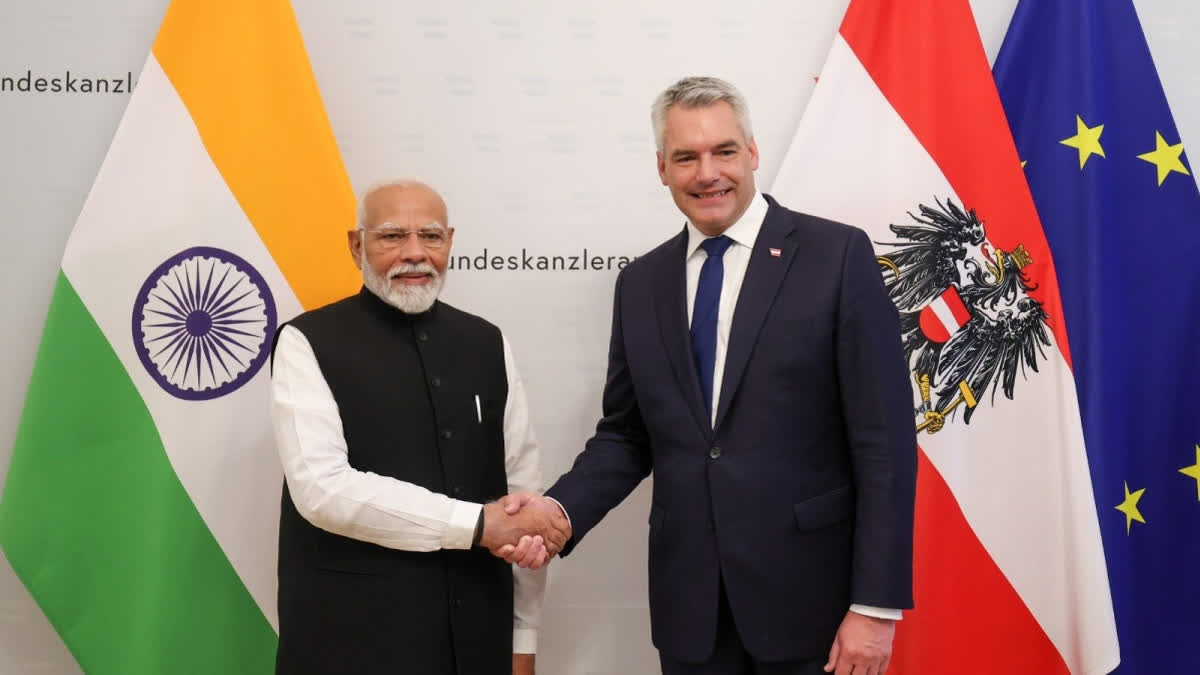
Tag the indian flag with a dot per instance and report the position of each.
(141, 506)
(905, 137)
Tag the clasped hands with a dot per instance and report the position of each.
(524, 529)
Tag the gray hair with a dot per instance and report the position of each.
(400, 182)
(697, 92)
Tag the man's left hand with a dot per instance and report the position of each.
(522, 664)
(863, 646)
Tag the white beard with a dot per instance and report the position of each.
(413, 299)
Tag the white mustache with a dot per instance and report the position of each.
(411, 268)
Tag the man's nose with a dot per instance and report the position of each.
(412, 250)
(706, 169)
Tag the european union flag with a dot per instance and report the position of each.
(1122, 214)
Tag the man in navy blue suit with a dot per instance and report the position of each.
(755, 367)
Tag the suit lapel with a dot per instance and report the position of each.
(764, 274)
(671, 305)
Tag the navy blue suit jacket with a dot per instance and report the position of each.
(801, 496)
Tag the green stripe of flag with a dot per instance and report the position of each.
(100, 530)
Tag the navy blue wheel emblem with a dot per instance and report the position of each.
(203, 323)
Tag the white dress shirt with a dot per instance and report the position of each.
(336, 497)
(737, 257)
(743, 233)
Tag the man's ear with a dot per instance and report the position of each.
(354, 238)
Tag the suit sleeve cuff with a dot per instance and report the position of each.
(460, 528)
(877, 612)
(524, 640)
(560, 508)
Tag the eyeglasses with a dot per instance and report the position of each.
(388, 236)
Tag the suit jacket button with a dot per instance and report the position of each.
(446, 434)
(436, 382)
(423, 336)
(714, 452)
(456, 492)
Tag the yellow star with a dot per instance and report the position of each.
(1130, 509)
(1086, 140)
(1165, 157)
(1193, 471)
(1024, 162)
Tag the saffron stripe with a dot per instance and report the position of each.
(244, 76)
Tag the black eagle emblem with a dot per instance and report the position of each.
(967, 320)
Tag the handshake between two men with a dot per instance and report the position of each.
(524, 529)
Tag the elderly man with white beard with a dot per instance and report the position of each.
(399, 420)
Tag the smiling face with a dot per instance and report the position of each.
(709, 165)
(398, 251)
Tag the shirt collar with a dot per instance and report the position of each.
(744, 232)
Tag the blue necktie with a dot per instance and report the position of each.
(704, 315)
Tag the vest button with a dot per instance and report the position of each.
(436, 382)
(423, 336)
(447, 434)
(714, 452)
(458, 602)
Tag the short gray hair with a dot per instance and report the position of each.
(697, 92)
(400, 182)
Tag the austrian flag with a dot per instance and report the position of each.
(905, 137)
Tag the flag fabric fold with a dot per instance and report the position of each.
(1121, 211)
(905, 136)
(141, 505)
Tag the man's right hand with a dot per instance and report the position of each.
(522, 530)
(531, 551)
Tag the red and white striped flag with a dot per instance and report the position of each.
(905, 137)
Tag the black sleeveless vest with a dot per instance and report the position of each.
(406, 388)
